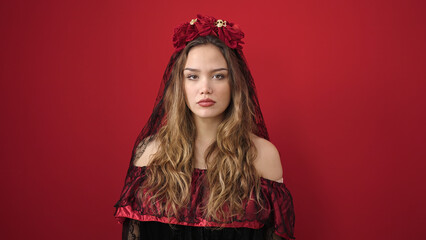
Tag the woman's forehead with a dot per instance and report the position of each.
(205, 57)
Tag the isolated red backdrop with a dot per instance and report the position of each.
(341, 85)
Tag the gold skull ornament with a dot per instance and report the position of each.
(220, 23)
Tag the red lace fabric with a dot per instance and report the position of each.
(278, 211)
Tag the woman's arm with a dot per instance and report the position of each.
(130, 230)
(270, 235)
(267, 162)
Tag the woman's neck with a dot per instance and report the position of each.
(206, 135)
(206, 130)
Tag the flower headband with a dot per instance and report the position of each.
(228, 32)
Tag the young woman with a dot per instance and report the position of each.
(202, 167)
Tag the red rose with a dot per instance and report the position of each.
(229, 33)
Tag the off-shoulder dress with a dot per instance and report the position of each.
(145, 223)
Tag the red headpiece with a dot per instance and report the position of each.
(228, 32)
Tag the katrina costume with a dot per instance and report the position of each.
(146, 222)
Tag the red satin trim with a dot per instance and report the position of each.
(127, 212)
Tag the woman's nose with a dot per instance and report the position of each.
(205, 87)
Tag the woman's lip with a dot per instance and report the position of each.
(208, 100)
(206, 103)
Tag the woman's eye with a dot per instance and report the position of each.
(191, 77)
(219, 76)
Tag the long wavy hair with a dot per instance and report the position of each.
(231, 177)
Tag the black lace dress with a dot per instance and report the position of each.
(274, 221)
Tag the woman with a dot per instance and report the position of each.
(202, 167)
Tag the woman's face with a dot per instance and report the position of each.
(206, 82)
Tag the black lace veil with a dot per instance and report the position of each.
(158, 115)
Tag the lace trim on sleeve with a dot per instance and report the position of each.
(282, 210)
(130, 230)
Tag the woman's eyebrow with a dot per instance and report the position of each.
(198, 70)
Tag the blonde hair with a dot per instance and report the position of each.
(231, 177)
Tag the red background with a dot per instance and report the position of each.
(341, 85)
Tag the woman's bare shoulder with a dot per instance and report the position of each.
(268, 161)
(143, 158)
